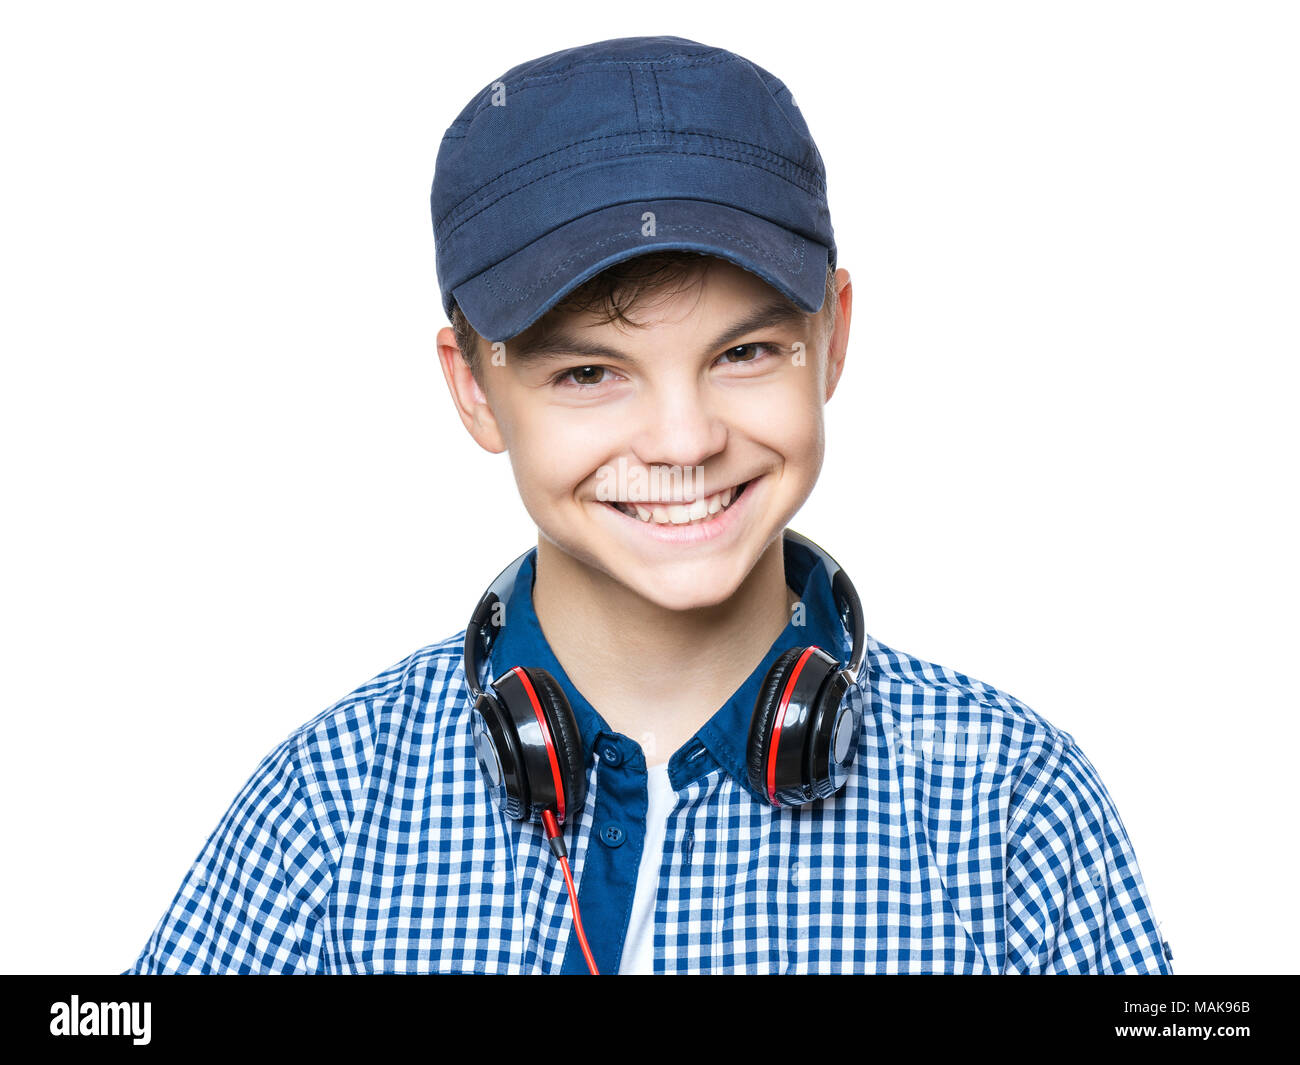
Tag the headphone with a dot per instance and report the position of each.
(802, 737)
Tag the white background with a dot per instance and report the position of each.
(1062, 460)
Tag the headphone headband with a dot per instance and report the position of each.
(484, 627)
(845, 596)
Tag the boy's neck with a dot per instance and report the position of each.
(656, 675)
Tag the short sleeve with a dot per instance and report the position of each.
(1075, 901)
(253, 899)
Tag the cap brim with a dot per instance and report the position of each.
(507, 298)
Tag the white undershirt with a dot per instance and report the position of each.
(639, 946)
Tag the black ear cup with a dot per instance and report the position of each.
(760, 725)
(833, 741)
(568, 742)
(500, 757)
(529, 747)
(797, 706)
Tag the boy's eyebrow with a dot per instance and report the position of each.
(560, 343)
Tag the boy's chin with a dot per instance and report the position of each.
(698, 580)
(683, 593)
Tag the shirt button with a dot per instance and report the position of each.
(612, 835)
(610, 754)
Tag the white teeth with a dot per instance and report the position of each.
(680, 513)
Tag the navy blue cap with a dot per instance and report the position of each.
(570, 163)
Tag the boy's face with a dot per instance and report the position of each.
(698, 400)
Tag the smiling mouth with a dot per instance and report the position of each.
(695, 513)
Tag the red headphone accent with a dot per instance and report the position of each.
(546, 738)
(557, 845)
(779, 721)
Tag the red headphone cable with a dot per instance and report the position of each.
(557, 845)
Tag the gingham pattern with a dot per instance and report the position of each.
(366, 842)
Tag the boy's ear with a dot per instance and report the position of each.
(471, 403)
(838, 347)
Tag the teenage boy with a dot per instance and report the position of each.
(635, 250)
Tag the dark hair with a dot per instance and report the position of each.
(613, 293)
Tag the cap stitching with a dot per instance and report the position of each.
(651, 150)
(819, 184)
(636, 105)
(475, 210)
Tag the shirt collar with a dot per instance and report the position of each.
(723, 738)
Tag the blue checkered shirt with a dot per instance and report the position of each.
(971, 837)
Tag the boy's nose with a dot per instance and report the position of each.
(678, 428)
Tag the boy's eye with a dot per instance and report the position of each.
(746, 353)
(582, 376)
